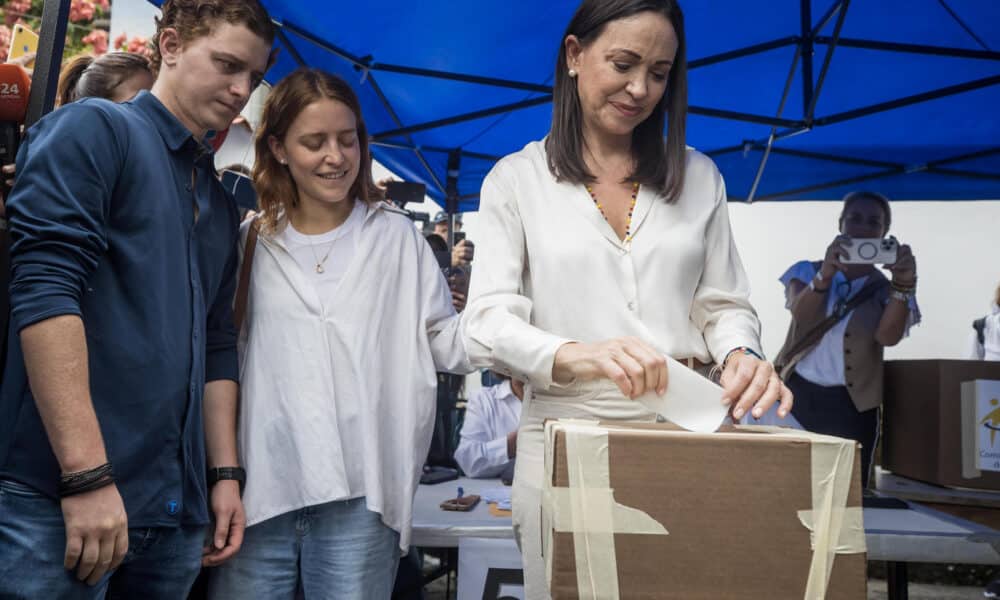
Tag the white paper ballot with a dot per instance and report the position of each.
(691, 401)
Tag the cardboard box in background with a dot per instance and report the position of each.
(923, 424)
(729, 502)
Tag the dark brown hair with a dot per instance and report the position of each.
(276, 190)
(193, 19)
(86, 76)
(875, 197)
(659, 165)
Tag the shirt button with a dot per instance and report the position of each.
(631, 305)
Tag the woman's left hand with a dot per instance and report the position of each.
(751, 384)
(904, 270)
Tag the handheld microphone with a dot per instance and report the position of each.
(15, 87)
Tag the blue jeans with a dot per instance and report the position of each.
(161, 563)
(332, 550)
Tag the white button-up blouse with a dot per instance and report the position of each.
(372, 346)
(549, 269)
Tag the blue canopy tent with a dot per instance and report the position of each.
(794, 99)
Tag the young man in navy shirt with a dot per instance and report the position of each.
(118, 406)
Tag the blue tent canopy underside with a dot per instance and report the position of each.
(896, 151)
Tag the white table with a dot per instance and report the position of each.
(436, 528)
(896, 536)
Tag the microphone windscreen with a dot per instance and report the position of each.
(15, 87)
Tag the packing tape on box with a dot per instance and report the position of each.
(588, 510)
(834, 527)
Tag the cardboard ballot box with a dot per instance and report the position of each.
(923, 424)
(636, 511)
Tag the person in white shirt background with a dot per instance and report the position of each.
(348, 318)
(605, 248)
(488, 441)
(984, 342)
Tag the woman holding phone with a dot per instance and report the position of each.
(843, 315)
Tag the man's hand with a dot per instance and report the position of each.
(462, 254)
(96, 533)
(512, 444)
(226, 536)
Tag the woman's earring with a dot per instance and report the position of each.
(572, 73)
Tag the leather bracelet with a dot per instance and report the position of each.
(71, 484)
(227, 474)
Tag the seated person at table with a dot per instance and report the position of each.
(985, 343)
(489, 433)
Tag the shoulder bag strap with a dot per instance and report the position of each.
(243, 285)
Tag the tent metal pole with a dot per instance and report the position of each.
(741, 52)
(826, 19)
(363, 63)
(451, 193)
(465, 153)
(910, 48)
(831, 184)
(964, 173)
(770, 138)
(399, 123)
(908, 100)
(45, 78)
(287, 43)
(472, 116)
(739, 116)
(848, 160)
(965, 157)
(811, 107)
(806, 53)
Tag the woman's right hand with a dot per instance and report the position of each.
(635, 366)
(836, 252)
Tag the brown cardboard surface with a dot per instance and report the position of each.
(922, 428)
(730, 502)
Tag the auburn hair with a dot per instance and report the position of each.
(276, 189)
(86, 76)
(193, 19)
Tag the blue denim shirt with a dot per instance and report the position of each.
(117, 217)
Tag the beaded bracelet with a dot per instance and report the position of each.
(717, 370)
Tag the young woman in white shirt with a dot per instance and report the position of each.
(348, 318)
(605, 248)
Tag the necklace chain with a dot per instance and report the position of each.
(631, 209)
(320, 262)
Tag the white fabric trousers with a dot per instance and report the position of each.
(599, 400)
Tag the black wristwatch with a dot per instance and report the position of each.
(220, 473)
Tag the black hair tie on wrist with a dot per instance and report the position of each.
(79, 482)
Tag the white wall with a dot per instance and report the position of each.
(955, 244)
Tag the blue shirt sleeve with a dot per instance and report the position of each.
(220, 351)
(58, 212)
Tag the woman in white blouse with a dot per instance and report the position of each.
(348, 318)
(605, 248)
